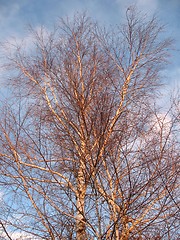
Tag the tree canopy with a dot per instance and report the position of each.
(85, 152)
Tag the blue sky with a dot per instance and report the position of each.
(15, 15)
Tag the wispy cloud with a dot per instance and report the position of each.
(8, 9)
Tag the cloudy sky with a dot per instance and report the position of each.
(15, 15)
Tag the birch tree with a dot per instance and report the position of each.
(85, 151)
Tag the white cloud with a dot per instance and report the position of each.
(20, 236)
(162, 123)
(8, 10)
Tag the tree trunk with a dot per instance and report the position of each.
(80, 222)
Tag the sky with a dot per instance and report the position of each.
(16, 15)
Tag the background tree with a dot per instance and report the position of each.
(85, 151)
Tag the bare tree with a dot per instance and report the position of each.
(85, 152)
